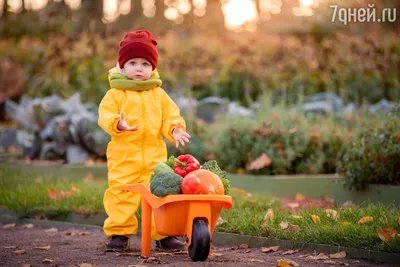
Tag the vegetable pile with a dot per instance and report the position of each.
(185, 175)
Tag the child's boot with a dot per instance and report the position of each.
(118, 243)
(170, 244)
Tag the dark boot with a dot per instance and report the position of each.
(118, 243)
(170, 244)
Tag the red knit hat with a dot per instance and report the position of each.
(138, 44)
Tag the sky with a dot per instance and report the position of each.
(236, 12)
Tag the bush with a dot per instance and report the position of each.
(374, 158)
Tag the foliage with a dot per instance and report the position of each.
(375, 157)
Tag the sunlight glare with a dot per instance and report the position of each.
(110, 9)
(238, 12)
(74, 4)
(199, 3)
(125, 7)
(307, 2)
(184, 7)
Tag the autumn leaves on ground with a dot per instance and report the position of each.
(29, 245)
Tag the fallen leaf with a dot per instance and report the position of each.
(47, 260)
(89, 162)
(331, 262)
(241, 191)
(383, 219)
(10, 225)
(293, 205)
(19, 252)
(346, 223)
(294, 227)
(38, 180)
(290, 252)
(385, 234)
(398, 220)
(252, 201)
(12, 247)
(292, 131)
(343, 263)
(67, 233)
(320, 256)
(304, 256)
(137, 265)
(269, 249)
(87, 265)
(51, 230)
(297, 217)
(181, 252)
(260, 162)
(122, 254)
(282, 263)
(243, 246)
(284, 225)
(256, 260)
(84, 233)
(26, 265)
(28, 226)
(339, 255)
(315, 219)
(42, 248)
(89, 178)
(220, 220)
(152, 260)
(74, 188)
(247, 251)
(215, 254)
(299, 197)
(332, 214)
(347, 204)
(269, 216)
(366, 219)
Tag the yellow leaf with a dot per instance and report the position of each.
(290, 252)
(339, 255)
(47, 260)
(398, 220)
(89, 178)
(346, 223)
(10, 225)
(331, 262)
(260, 162)
(284, 225)
(385, 234)
(51, 230)
(332, 213)
(293, 263)
(241, 191)
(320, 256)
(282, 263)
(216, 254)
(252, 201)
(29, 225)
(269, 249)
(299, 197)
(269, 216)
(256, 260)
(19, 252)
(42, 248)
(315, 219)
(366, 219)
(74, 188)
(297, 217)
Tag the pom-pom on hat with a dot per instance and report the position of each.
(138, 44)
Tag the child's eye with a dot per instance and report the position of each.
(146, 64)
(133, 63)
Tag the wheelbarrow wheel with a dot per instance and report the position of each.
(200, 246)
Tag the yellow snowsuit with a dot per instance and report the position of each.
(131, 156)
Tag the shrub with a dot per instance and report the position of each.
(374, 158)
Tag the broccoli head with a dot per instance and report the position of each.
(165, 183)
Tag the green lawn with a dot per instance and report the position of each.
(27, 192)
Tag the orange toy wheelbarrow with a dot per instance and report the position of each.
(190, 216)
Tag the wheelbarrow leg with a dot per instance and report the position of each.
(146, 228)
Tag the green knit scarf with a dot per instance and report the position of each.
(120, 81)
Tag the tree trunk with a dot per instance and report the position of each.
(5, 9)
(215, 20)
(91, 15)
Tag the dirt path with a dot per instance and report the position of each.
(74, 247)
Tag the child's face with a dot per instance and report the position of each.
(137, 69)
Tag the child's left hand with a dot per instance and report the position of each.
(180, 135)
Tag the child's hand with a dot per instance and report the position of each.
(180, 135)
(123, 125)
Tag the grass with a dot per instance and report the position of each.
(27, 193)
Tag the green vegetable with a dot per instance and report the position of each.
(162, 167)
(170, 162)
(166, 183)
(212, 165)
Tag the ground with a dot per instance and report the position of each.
(25, 246)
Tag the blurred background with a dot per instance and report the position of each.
(267, 86)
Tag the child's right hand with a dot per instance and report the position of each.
(123, 125)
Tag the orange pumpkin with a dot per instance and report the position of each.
(209, 181)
